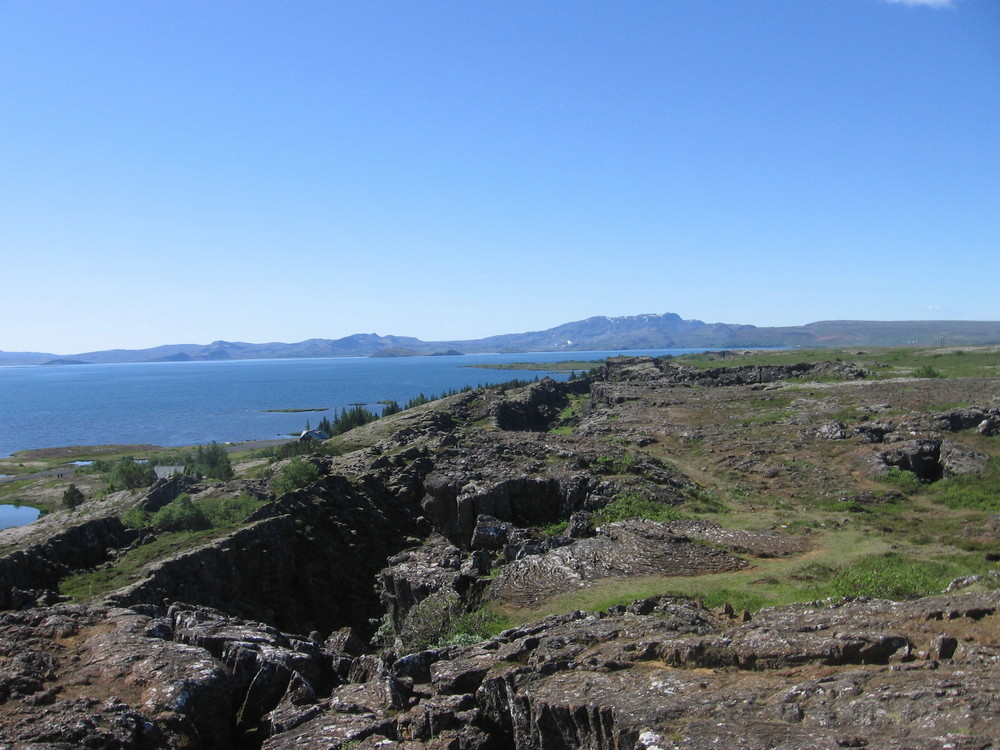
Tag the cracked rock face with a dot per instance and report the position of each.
(620, 550)
(667, 673)
(79, 676)
(663, 673)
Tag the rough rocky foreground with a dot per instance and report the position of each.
(318, 623)
(658, 673)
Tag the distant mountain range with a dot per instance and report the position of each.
(666, 331)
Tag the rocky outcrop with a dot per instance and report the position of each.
(619, 550)
(41, 566)
(982, 418)
(668, 673)
(166, 490)
(509, 477)
(534, 408)
(93, 677)
(650, 369)
(958, 460)
(920, 457)
(413, 575)
(663, 672)
(930, 460)
(304, 563)
(455, 505)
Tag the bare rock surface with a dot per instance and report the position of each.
(670, 674)
(620, 550)
(90, 677)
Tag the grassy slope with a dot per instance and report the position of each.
(915, 540)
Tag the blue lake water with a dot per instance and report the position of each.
(16, 515)
(192, 403)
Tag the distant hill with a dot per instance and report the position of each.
(655, 331)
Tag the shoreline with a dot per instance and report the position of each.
(64, 456)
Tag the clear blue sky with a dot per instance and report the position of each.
(179, 172)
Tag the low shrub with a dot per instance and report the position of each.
(555, 529)
(136, 518)
(926, 371)
(227, 512)
(890, 576)
(905, 481)
(614, 464)
(297, 474)
(180, 515)
(183, 514)
(443, 619)
(635, 505)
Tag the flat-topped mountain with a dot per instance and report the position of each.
(601, 333)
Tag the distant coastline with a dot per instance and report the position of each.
(196, 403)
(654, 331)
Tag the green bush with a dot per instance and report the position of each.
(905, 481)
(183, 514)
(442, 619)
(180, 515)
(227, 512)
(136, 518)
(297, 474)
(555, 529)
(427, 621)
(614, 464)
(467, 628)
(701, 500)
(635, 505)
(210, 461)
(926, 371)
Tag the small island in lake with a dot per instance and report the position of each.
(397, 351)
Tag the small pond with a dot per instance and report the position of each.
(17, 515)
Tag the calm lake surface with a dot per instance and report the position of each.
(192, 403)
(17, 515)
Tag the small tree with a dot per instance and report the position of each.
(72, 497)
(211, 461)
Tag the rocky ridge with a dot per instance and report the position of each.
(317, 623)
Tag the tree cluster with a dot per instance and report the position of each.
(210, 462)
(126, 473)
